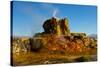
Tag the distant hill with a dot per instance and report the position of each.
(93, 36)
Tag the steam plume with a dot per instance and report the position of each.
(55, 12)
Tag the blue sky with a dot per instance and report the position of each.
(28, 17)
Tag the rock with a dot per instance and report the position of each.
(55, 26)
(50, 26)
(78, 35)
(64, 26)
(20, 45)
(36, 44)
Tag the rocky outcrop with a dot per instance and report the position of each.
(20, 44)
(55, 38)
(55, 26)
(36, 44)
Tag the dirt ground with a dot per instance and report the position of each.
(37, 58)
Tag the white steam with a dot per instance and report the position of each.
(55, 12)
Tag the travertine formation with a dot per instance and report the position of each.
(56, 37)
(58, 27)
